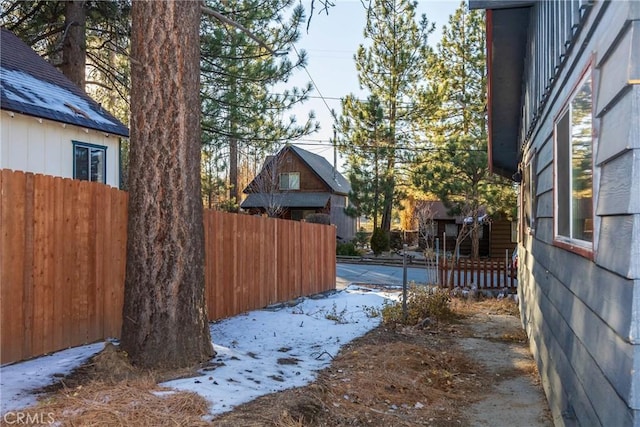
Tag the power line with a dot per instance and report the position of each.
(324, 143)
(295, 49)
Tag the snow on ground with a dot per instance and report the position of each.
(258, 353)
(18, 380)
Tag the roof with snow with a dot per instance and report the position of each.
(30, 85)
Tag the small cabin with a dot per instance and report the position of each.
(296, 183)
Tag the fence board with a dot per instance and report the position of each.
(12, 263)
(40, 283)
(485, 274)
(28, 267)
(63, 257)
(57, 234)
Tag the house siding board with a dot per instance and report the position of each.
(620, 232)
(569, 400)
(616, 196)
(619, 124)
(581, 333)
(617, 66)
(603, 360)
(553, 364)
(46, 147)
(635, 372)
(583, 315)
(345, 225)
(545, 180)
(545, 152)
(544, 230)
(545, 205)
(606, 293)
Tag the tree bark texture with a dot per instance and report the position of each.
(74, 46)
(165, 316)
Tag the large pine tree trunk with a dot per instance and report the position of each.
(165, 315)
(74, 46)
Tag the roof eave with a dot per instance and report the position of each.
(113, 130)
(507, 28)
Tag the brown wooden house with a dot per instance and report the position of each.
(497, 234)
(296, 183)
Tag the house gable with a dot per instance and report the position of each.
(309, 180)
(317, 189)
(316, 173)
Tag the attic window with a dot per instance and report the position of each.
(290, 181)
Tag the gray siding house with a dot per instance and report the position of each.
(564, 120)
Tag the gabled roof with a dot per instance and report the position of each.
(30, 85)
(324, 170)
(319, 165)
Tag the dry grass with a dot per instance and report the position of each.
(391, 376)
(140, 402)
(108, 391)
(396, 376)
(467, 307)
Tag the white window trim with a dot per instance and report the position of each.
(574, 244)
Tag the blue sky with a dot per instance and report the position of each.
(331, 42)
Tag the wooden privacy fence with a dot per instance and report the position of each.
(63, 254)
(485, 274)
(252, 261)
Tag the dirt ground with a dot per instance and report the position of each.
(473, 370)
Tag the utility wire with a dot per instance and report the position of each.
(295, 49)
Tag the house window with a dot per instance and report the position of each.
(514, 231)
(529, 197)
(89, 162)
(451, 230)
(300, 214)
(574, 168)
(290, 181)
(431, 229)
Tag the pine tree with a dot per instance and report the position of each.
(87, 40)
(363, 125)
(455, 168)
(165, 321)
(242, 114)
(392, 69)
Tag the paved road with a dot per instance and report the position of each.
(376, 274)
